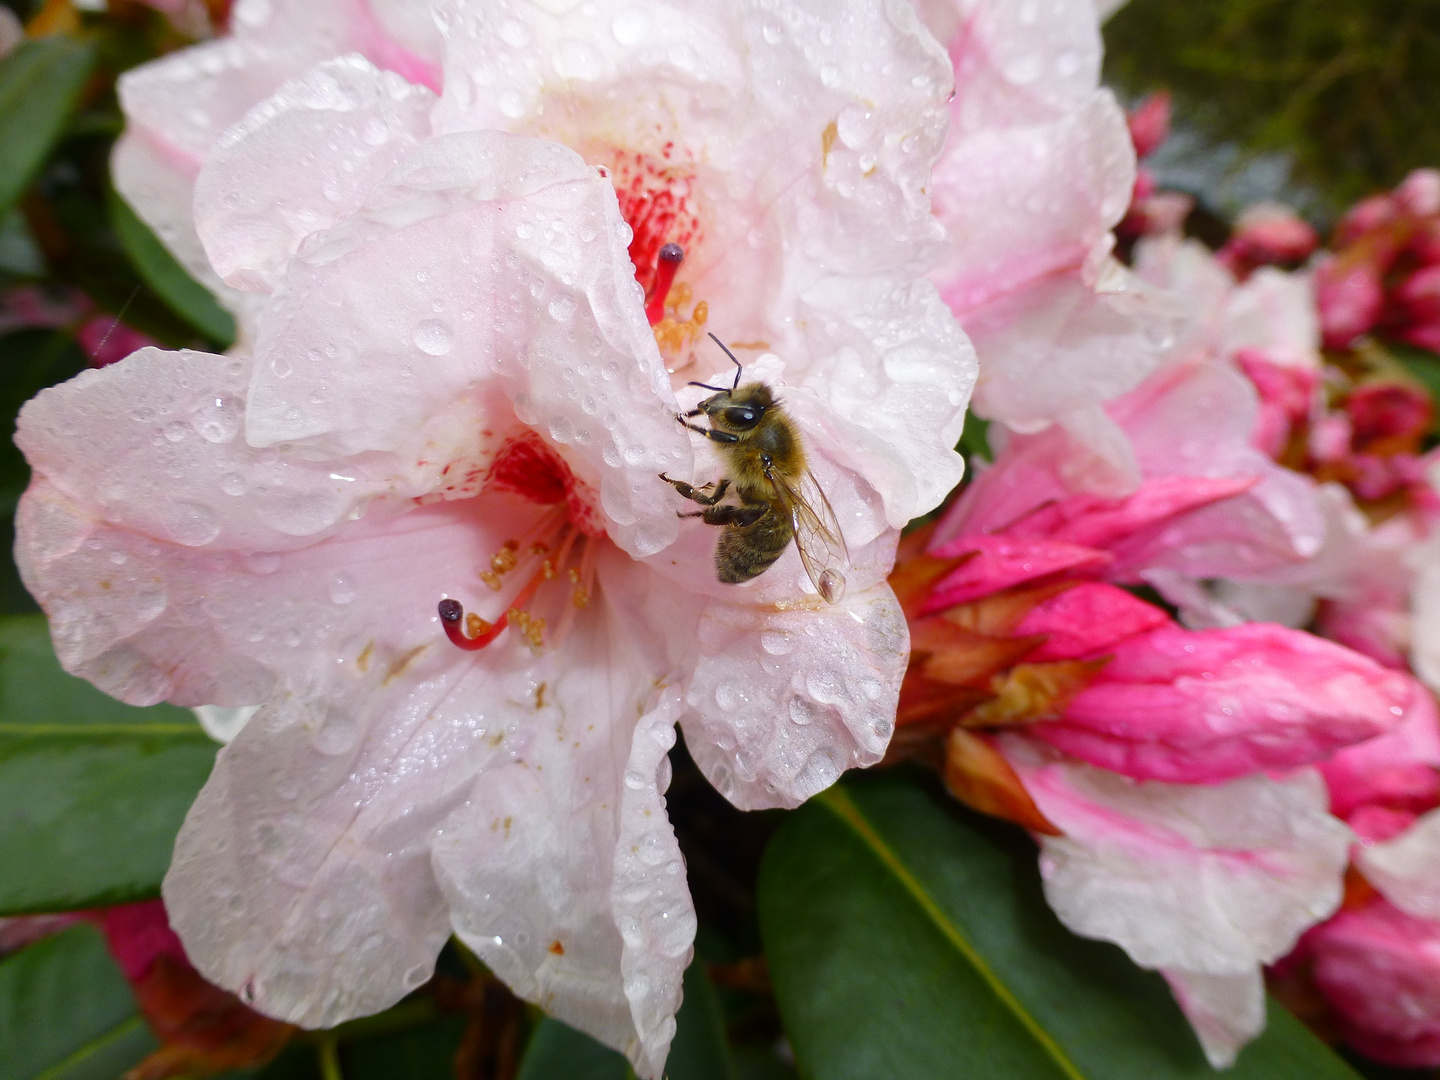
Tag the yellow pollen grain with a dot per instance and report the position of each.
(575, 575)
(491, 578)
(547, 568)
(539, 548)
(475, 625)
(827, 142)
(580, 597)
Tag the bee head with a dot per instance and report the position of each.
(741, 409)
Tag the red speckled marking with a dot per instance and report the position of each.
(529, 468)
(657, 200)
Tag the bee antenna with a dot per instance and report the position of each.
(738, 366)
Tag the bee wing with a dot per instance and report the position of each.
(817, 535)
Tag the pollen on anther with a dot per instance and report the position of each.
(491, 579)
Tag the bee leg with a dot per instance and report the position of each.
(739, 516)
(691, 493)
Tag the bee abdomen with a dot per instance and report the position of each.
(748, 551)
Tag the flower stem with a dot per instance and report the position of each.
(330, 1059)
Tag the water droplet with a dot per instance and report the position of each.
(562, 307)
(342, 589)
(281, 366)
(190, 523)
(433, 337)
(176, 432)
(233, 484)
(630, 26)
(218, 420)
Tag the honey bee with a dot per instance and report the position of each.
(777, 498)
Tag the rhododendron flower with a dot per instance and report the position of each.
(1016, 658)
(1380, 969)
(1038, 169)
(456, 387)
(1204, 883)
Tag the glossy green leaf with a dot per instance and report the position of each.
(92, 792)
(171, 281)
(66, 1012)
(909, 937)
(698, 1052)
(40, 83)
(421, 1053)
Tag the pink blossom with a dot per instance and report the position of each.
(1267, 233)
(1208, 504)
(451, 380)
(107, 339)
(1396, 769)
(1203, 882)
(1287, 396)
(1366, 216)
(1149, 123)
(1380, 968)
(1419, 294)
(138, 935)
(1059, 325)
(1350, 298)
(1088, 620)
(1200, 706)
(1419, 193)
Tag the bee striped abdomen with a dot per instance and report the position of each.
(746, 551)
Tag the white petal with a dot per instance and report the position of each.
(1226, 1011)
(517, 282)
(1211, 879)
(223, 722)
(783, 701)
(562, 870)
(1406, 869)
(299, 161)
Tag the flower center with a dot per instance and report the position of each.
(657, 200)
(559, 548)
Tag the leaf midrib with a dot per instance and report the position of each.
(839, 803)
(84, 730)
(94, 1046)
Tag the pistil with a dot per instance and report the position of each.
(666, 265)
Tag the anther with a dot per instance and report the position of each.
(666, 265)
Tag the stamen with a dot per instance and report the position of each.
(452, 612)
(666, 265)
(478, 633)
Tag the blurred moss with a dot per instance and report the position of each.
(1345, 91)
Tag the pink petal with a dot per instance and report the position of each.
(1398, 767)
(138, 935)
(1208, 879)
(1380, 969)
(1088, 619)
(1001, 562)
(279, 175)
(1069, 178)
(1202, 706)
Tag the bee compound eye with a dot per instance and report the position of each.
(742, 416)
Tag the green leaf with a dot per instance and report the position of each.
(40, 83)
(698, 1052)
(975, 439)
(559, 1052)
(1424, 366)
(423, 1053)
(909, 937)
(92, 792)
(171, 281)
(66, 1012)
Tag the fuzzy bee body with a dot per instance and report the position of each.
(776, 499)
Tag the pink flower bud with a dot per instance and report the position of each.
(1350, 297)
(1201, 706)
(1150, 123)
(1380, 969)
(1424, 335)
(1376, 824)
(1425, 243)
(1365, 216)
(1419, 295)
(1388, 410)
(1330, 437)
(1087, 620)
(999, 562)
(1419, 193)
(138, 935)
(1268, 233)
(1286, 395)
(106, 339)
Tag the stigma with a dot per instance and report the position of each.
(555, 552)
